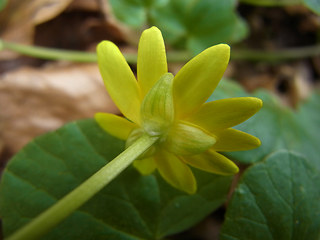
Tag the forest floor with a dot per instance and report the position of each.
(37, 96)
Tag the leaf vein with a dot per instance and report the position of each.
(108, 225)
(31, 184)
(59, 158)
(260, 209)
(248, 220)
(56, 199)
(275, 187)
(90, 143)
(228, 236)
(140, 216)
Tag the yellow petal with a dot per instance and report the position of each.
(175, 172)
(211, 161)
(152, 60)
(114, 125)
(186, 139)
(119, 80)
(235, 140)
(196, 81)
(225, 113)
(145, 166)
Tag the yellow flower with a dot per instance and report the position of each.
(172, 108)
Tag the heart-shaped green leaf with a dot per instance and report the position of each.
(195, 25)
(275, 199)
(131, 207)
(198, 25)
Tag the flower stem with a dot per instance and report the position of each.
(67, 205)
(275, 55)
(56, 54)
(271, 3)
(173, 56)
(49, 53)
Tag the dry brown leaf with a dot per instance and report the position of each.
(34, 101)
(80, 27)
(19, 18)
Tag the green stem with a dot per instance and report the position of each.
(175, 56)
(77, 56)
(49, 53)
(56, 54)
(271, 3)
(275, 55)
(67, 205)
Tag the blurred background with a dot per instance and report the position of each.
(275, 45)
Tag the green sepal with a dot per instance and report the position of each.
(188, 139)
(157, 111)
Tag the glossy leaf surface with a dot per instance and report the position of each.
(131, 207)
(275, 199)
